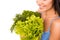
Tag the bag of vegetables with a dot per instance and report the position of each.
(29, 25)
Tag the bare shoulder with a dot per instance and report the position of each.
(55, 26)
(56, 22)
(55, 30)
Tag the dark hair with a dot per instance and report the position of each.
(57, 6)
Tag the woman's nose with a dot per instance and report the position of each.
(39, 2)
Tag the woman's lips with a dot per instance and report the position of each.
(41, 7)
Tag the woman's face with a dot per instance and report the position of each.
(44, 5)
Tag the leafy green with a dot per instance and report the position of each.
(32, 27)
(29, 25)
(23, 16)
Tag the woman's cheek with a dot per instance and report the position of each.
(43, 9)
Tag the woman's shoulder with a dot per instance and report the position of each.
(56, 23)
(55, 29)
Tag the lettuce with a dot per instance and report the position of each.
(29, 25)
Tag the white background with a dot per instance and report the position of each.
(8, 10)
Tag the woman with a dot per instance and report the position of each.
(50, 12)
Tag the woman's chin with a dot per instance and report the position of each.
(42, 11)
